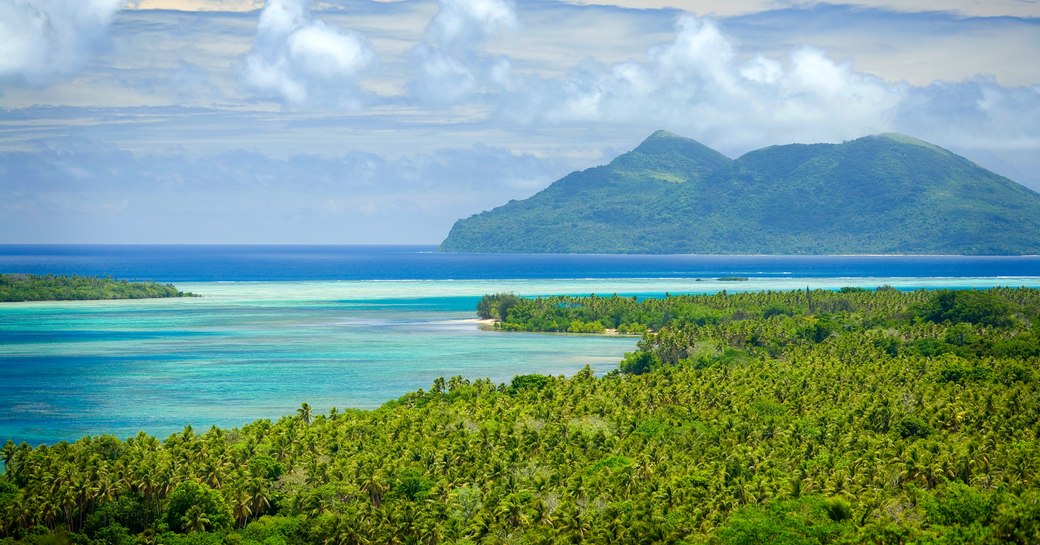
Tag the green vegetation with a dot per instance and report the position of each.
(808, 417)
(33, 287)
(497, 306)
(887, 194)
(595, 314)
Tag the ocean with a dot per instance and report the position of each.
(344, 326)
(188, 263)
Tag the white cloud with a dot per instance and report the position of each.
(699, 50)
(461, 23)
(974, 114)
(303, 62)
(449, 64)
(441, 78)
(702, 84)
(43, 40)
(915, 47)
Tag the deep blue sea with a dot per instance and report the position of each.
(188, 263)
(344, 326)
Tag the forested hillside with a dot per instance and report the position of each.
(806, 417)
(883, 194)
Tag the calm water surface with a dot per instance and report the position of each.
(173, 263)
(341, 326)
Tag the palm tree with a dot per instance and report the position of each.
(8, 451)
(195, 520)
(512, 510)
(304, 413)
(372, 483)
(350, 530)
(259, 490)
(241, 506)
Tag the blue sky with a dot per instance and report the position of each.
(361, 121)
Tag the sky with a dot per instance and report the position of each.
(384, 122)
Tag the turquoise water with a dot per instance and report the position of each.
(248, 350)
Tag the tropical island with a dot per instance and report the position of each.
(802, 417)
(883, 194)
(49, 287)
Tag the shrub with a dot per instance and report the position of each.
(912, 427)
(973, 307)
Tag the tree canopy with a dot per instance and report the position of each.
(49, 287)
(804, 417)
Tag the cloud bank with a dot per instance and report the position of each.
(702, 84)
(394, 140)
(44, 40)
(302, 62)
(77, 191)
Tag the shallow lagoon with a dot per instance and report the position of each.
(247, 350)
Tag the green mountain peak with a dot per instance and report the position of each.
(664, 142)
(670, 157)
(910, 140)
(882, 194)
(663, 134)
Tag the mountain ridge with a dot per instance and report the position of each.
(881, 194)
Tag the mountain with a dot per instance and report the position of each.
(883, 194)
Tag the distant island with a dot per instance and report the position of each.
(883, 194)
(49, 287)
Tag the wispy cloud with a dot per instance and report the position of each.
(975, 8)
(301, 61)
(78, 191)
(199, 5)
(43, 40)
